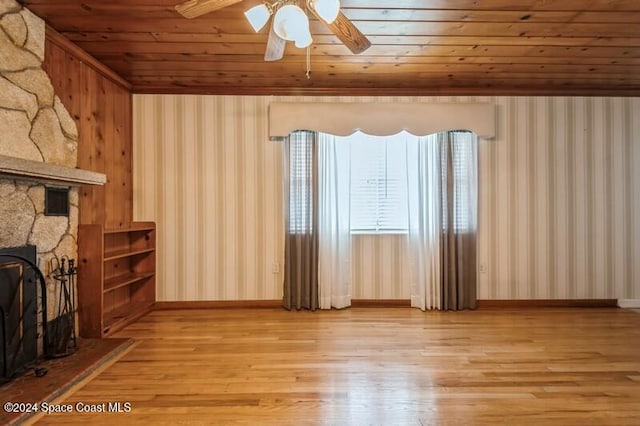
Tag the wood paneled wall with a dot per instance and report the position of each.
(100, 102)
(558, 200)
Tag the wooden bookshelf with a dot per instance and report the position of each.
(116, 276)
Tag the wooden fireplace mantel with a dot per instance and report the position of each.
(19, 168)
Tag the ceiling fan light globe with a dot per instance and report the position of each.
(327, 9)
(290, 21)
(258, 16)
(303, 40)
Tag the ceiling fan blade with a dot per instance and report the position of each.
(275, 46)
(347, 32)
(194, 8)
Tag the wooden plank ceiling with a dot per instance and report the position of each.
(419, 47)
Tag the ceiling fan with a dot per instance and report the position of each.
(289, 23)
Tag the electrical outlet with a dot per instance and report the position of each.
(483, 268)
(275, 268)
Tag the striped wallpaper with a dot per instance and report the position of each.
(379, 266)
(559, 192)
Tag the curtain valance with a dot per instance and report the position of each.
(382, 119)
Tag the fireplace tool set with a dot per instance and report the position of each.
(62, 334)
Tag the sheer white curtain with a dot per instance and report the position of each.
(424, 194)
(334, 258)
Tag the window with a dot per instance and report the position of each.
(378, 183)
(377, 170)
(301, 175)
(460, 146)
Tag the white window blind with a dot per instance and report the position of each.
(378, 183)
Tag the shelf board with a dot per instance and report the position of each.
(125, 230)
(125, 280)
(123, 315)
(119, 254)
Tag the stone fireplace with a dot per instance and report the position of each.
(34, 125)
(38, 148)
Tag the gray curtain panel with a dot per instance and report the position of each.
(458, 153)
(301, 210)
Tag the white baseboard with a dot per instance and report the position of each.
(629, 303)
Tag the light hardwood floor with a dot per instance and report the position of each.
(374, 366)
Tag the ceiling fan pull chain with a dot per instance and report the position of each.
(306, 10)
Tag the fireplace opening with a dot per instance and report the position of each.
(22, 312)
(26, 333)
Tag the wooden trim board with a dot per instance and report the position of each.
(56, 38)
(392, 303)
(272, 304)
(219, 304)
(548, 303)
(380, 303)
